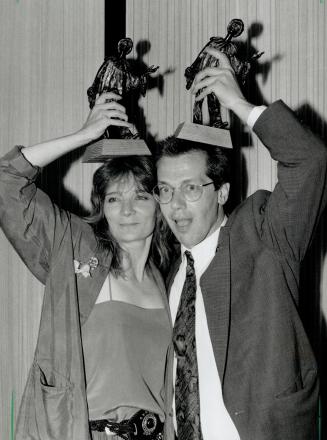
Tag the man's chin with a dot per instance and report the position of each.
(185, 239)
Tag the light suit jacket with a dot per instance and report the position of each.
(250, 291)
(48, 239)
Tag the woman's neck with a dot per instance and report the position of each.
(134, 258)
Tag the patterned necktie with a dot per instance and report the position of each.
(187, 399)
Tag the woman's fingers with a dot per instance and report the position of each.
(106, 105)
(113, 105)
(115, 115)
(104, 97)
(120, 123)
(105, 112)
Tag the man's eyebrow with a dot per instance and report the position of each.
(190, 180)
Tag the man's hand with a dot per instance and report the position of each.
(222, 82)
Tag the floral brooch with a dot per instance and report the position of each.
(86, 269)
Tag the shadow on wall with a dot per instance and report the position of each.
(252, 90)
(241, 135)
(156, 81)
(52, 177)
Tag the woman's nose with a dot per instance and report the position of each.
(128, 207)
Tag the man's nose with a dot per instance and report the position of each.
(128, 207)
(178, 199)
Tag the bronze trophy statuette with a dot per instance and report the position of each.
(117, 75)
(216, 132)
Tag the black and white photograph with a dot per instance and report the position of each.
(163, 222)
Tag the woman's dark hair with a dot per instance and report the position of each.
(218, 168)
(143, 170)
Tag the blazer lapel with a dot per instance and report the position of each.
(215, 286)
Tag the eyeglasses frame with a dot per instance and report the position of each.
(173, 190)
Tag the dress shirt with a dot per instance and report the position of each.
(216, 423)
(254, 114)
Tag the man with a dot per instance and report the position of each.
(243, 367)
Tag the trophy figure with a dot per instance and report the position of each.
(117, 75)
(215, 133)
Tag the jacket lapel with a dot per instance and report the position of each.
(215, 286)
(89, 288)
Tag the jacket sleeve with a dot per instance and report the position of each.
(294, 207)
(28, 217)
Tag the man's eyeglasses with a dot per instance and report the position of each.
(163, 193)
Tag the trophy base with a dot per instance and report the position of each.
(105, 149)
(204, 134)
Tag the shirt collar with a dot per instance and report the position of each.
(204, 251)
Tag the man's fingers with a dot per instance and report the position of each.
(208, 73)
(212, 72)
(205, 82)
(221, 57)
(204, 92)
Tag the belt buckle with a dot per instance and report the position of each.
(108, 432)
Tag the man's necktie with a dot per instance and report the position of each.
(187, 399)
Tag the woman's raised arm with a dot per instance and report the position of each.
(106, 111)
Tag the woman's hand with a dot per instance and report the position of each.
(106, 111)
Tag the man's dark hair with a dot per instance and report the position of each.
(218, 167)
(143, 170)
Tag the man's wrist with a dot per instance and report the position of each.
(242, 109)
(254, 115)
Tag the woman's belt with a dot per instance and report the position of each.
(143, 425)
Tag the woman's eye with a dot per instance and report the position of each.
(112, 199)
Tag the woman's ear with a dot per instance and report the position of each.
(223, 193)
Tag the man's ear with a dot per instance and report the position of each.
(223, 193)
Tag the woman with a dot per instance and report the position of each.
(98, 368)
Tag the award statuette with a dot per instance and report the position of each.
(216, 132)
(117, 75)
